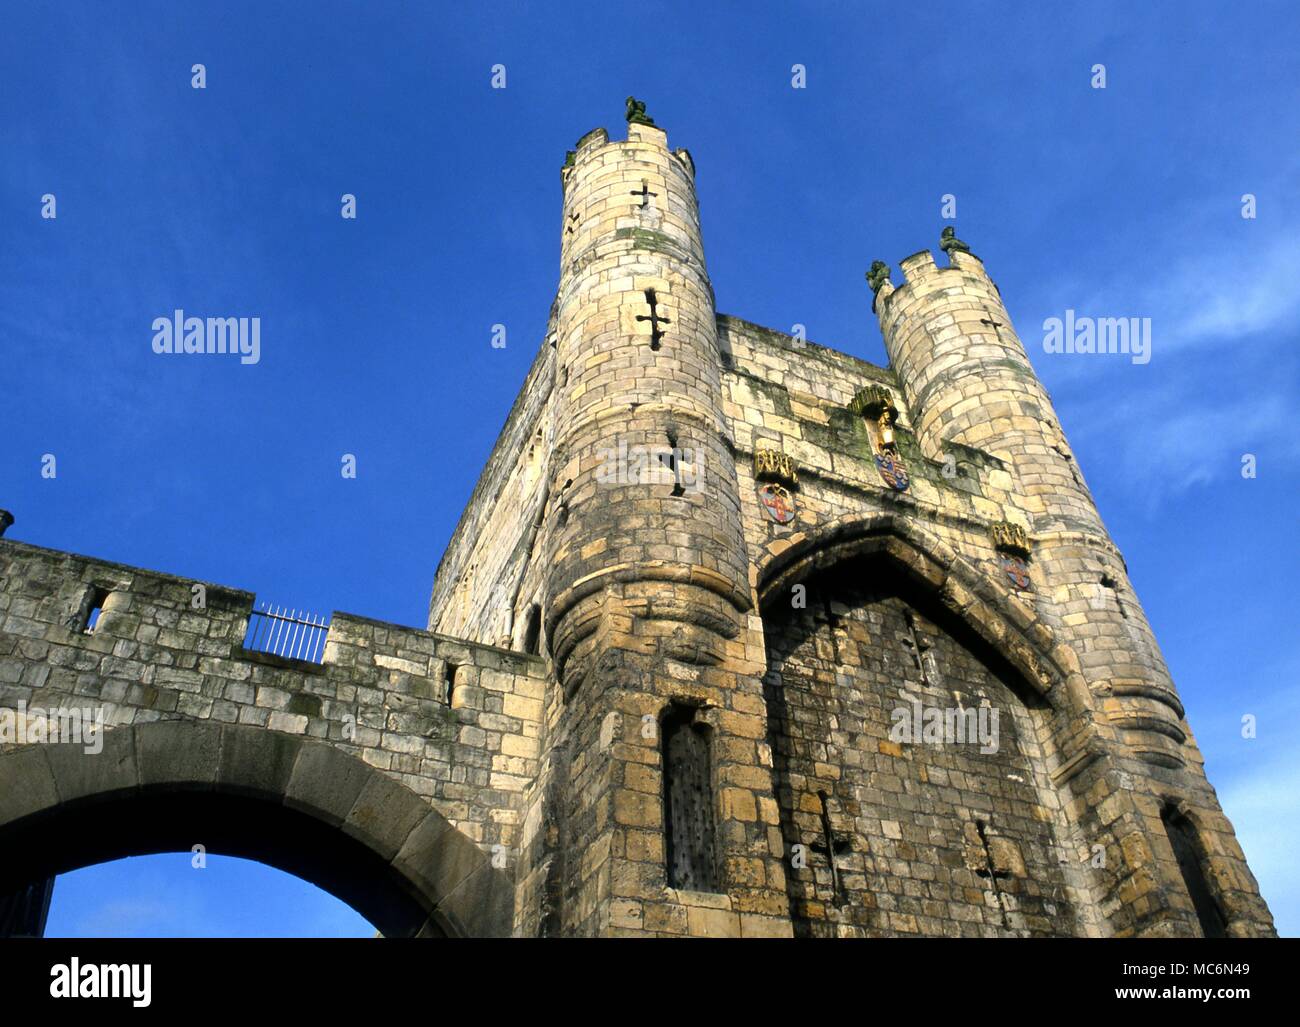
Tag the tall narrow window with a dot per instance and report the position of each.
(688, 802)
(533, 631)
(1182, 837)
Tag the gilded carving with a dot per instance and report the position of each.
(1010, 538)
(773, 465)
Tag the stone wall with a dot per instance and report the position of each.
(483, 588)
(955, 837)
(380, 692)
(1120, 751)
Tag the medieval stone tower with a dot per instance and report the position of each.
(737, 636)
(741, 554)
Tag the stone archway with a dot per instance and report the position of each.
(1002, 620)
(934, 838)
(295, 803)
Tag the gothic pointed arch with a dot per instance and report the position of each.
(912, 714)
(1185, 841)
(1001, 619)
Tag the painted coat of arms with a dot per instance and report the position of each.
(1012, 543)
(1017, 571)
(778, 503)
(876, 401)
(893, 470)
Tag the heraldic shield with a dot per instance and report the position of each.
(777, 502)
(1017, 572)
(893, 471)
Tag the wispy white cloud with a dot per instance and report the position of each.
(1242, 288)
(1214, 280)
(1216, 295)
(1183, 444)
(1225, 316)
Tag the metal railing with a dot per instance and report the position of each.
(293, 634)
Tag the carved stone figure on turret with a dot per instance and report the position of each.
(878, 275)
(949, 243)
(636, 114)
(876, 279)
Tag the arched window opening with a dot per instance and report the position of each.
(532, 644)
(1187, 850)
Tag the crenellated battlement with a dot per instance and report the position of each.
(628, 203)
(597, 146)
(919, 265)
(923, 275)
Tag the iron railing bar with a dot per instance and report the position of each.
(276, 635)
(286, 640)
(286, 643)
(289, 632)
(298, 632)
(259, 620)
(286, 636)
(267, 623)
(272, 625)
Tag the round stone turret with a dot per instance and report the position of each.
(646, 533)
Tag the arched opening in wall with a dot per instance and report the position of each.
(298, 805)
(907, 764)
(1188, 852)
(449, 694)
(196, 895)
(532, 640)
(90, 848)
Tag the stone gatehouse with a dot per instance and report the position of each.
(695, 656)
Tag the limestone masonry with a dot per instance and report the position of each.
(737, 636)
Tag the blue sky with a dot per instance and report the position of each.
(165, 896)
(376, 332)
